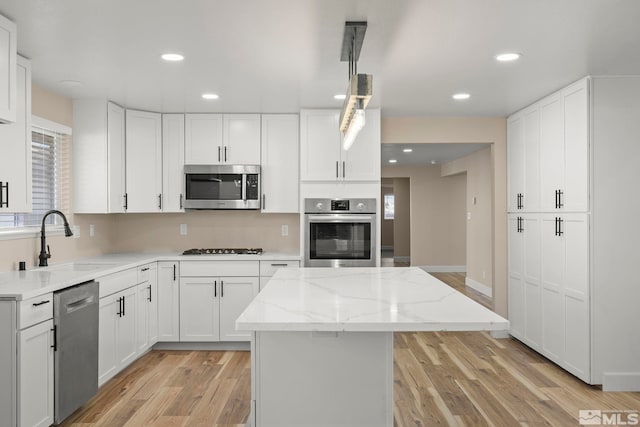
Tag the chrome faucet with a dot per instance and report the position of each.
(45, 255)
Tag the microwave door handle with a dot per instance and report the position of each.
(244, 187)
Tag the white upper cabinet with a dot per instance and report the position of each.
(98, 157)
(279, 165)
(322, 157)
(576, 147)
(515, 166)
(551, 151)
(143, 161)
(213, 139)
(172, 162)
(15, 140)
(241, 139)
(8, 57)
(362, 161)
(203, 139)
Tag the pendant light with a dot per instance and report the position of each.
(352, 117)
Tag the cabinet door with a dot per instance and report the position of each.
(320, 147)
(15, 161)
(172, 162)
(531, 198)
(8, 53)
(126, 348)
(532, 287)
(168, 301)
(553, 260)
(575, 231)
(144, 161)
(551, 151)
(279, 165)
(35, 375)
(515, 166)
(199, 309)
(362, 161)
(241, 139)
(107, 339)
(153, 307)
(516, 276)
(116, 158)
(576, 147)
(235, 295)
(143, 291)
(203, 139)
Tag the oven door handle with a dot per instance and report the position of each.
(341, 218)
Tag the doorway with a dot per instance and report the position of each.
(396, 222)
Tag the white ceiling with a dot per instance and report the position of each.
(427, 154)
(283, 55)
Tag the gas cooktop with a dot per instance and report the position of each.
(224, 251)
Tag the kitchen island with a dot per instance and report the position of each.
(322, 348)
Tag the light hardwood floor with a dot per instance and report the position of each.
(448, 378)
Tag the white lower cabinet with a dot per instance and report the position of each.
(269, 268)
(168, 301)
(210, 303)
(117, 333)
(35, 375)
(199, 309)
(235, 295)
(147, 309)
(565, 291)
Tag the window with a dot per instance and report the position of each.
(50, 179)
(389, 206)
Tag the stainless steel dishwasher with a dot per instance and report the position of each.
(75, 347)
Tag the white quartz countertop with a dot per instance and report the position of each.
(36, 281)
(364, 299)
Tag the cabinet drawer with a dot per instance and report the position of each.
(268, 268)
(35, 310)
(145, 272)
(219, 268)
(117, 281)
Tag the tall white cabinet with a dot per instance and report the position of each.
(279, 165)
(572, 245)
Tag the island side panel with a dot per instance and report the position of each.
(319, 379)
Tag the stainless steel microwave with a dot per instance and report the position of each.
(222, 187)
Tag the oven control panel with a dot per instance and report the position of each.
(315, 206)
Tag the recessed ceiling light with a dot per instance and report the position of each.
(461, 96)
(393, 161)
(210, 96)
(173, 57)
(407, 150)
(508, 57)
(433, 162)
(340, 96)
(70, 83)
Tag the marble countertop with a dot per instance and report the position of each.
(34, 282)
(364, 299)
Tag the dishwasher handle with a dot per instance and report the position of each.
(79, 304)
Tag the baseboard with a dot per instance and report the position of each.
(211, 346)
(480, 287)
(500, 335)
(402, 259)
(444, 268)
(621, 381)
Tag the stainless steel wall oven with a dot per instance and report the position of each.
(340, 233)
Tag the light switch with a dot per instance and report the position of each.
(183, 229)
(285, 230)
(76, 231)
(92, 230)
(468, 216)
